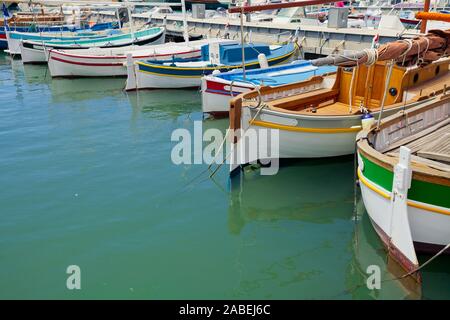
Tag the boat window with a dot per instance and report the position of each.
(438, 68)
(416, 78)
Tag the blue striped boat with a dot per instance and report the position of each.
(57, 30)
(228, 56)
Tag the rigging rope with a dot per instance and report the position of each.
(383, 101)
(372, 56)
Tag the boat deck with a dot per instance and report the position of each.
(428, 87)
(431, 149)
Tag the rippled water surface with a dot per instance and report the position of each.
(87, 180)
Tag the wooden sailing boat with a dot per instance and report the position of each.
(20, 19)
(320, 117)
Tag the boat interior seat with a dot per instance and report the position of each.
(333, 109)
(311, 99)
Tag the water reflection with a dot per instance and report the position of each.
(33, 73)
(318, 195)
(311, 190)
(84, 89)
(155, 103)
(369, 250)
(300, 221)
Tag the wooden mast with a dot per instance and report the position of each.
(426, 8)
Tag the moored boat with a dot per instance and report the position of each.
(14, 38)
(37, 51)
(222, 55)
(320, 117)
(55, 31)
(21, 19)
(218, 89)
(105, 62)
(404, 176)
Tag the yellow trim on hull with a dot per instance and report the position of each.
(300, 129)
(409, 202)
(170, 75)
(196, 77)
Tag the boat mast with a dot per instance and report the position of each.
(426, 8)
(131, 22)
(242, 42)
(248, 9)
(185, 27)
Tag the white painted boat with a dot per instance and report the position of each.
(221, 55)
(37, 51)
(404, 175)
(14, 38)
(32, 54)
(137, 79)
(106, 62)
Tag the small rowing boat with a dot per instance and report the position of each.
(222, 55)
(14, 38)
(56, 31)
(217, 89)
(107, 62)
(37, 51)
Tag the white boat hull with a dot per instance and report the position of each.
(219, 102)
(13, 46)
(427, 227)
(307, 136)
(108, 62)
(31, 55)
(66, 64)
(189, 74)
(140, 80)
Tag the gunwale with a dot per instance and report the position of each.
(422, 91)
(420, 172)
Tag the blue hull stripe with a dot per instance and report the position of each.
(199, 72)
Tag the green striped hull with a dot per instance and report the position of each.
(420, 191)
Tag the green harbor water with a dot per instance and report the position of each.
(87, 179)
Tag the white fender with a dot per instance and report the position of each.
(262, 59)
(131, 74)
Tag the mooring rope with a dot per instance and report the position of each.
(386, 86)
(350, 94)
(427, 262)
(358, 286)
(229, 153)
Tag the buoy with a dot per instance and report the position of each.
(262, 59)
(215, 72)
(367, 120)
